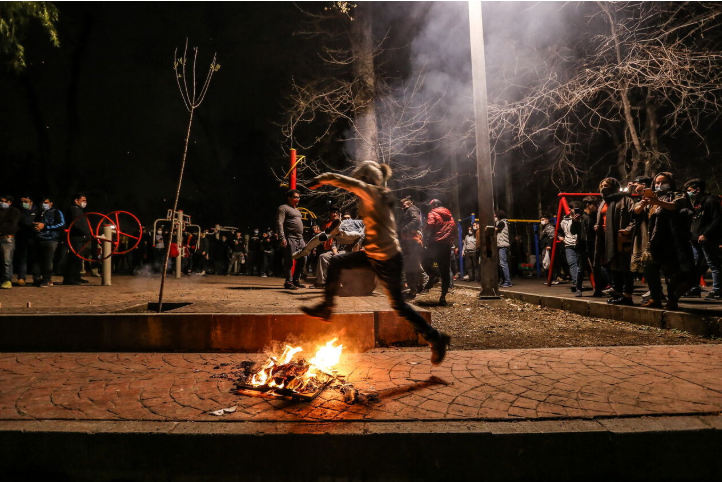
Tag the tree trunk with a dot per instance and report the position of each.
(652, 161)
(366, 127)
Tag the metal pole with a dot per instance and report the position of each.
(292, 176)
(489, 255)
(107, 252)
(179, 242)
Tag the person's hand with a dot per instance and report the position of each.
(701, 239)
(284, 243)
(596, 227)
(549, 248)
(560, 238)
(623, 232)
(577, 217)
(39, 226)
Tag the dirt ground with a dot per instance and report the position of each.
(478, 325)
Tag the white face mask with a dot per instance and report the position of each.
(83, 204)
(26, 205)
(543, 223)
(4, 205)
(46, 206)
(662, 187)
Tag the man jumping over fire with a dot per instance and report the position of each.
(382, 250)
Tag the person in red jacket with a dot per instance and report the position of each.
(441, 231)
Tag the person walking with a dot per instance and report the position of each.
(382, 251)
(441, 230)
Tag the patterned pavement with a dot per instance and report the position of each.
(470, 385)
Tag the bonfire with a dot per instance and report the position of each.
(285, 375)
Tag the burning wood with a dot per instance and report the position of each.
(285, 376)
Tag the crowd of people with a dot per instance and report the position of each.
(648, 230)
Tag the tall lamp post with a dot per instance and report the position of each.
(489, 255)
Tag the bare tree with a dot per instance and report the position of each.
(349, 99)
(639, 73)
(193, 97)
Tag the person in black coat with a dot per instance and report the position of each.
(79, 235)
(9, 220)
(706, 233)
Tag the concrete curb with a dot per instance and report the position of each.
(639, 448)
(689, 322)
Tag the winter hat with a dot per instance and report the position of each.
(372, 172)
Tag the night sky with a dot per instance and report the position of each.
(102, 114)
(116, 60)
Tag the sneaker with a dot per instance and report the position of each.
(609, 291)
(21, 282)
(438, 348)
(44, 285)
(264, 275)
(555, 282)
(578, 294)
(714, 295)
(442, 301)
(695, 292)
(298, 284)
(6, 285)
(508, 285)
(466, 277)
(321, 311)
(621, 301)
(289, 286)
(333, 227)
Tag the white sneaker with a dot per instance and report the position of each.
(264, 275)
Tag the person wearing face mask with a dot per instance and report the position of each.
(79, 236)
(706, 236)
(24, 240)
(48, 229)
(471, 255)
(668, 250)
(546, 242)
(614, 230)
(9, 220)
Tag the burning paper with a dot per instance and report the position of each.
(287, 376)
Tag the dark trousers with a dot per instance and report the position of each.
(44, 254)
(267, 263)
(412, 265)
(389, 273)
(293, 245)
(74, 265)
(440, 253)
(471, 265)
(677, 281)
(24, 256)
(622, 281)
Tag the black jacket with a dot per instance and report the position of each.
(707, 218)
(26, 230)
(9, 220)
(80, 229)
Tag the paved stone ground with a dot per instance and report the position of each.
(470, 385)
(208, 294)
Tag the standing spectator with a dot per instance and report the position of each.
(238, 251)
(613, 248)
(267, 250)
(9, 220)
(289, 225)
(442, 230)
(159, 249)
(328, 248)
(640, 242)
(546, 243)
(589, 219)
(24, 239)
(48, 230)
(255, 258)
(412, 246)
(471, 255)
(670, 251)
(574, 244)
(706, 234)
(79, 236)
(502, 244)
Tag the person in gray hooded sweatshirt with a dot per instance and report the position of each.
(382, 251)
